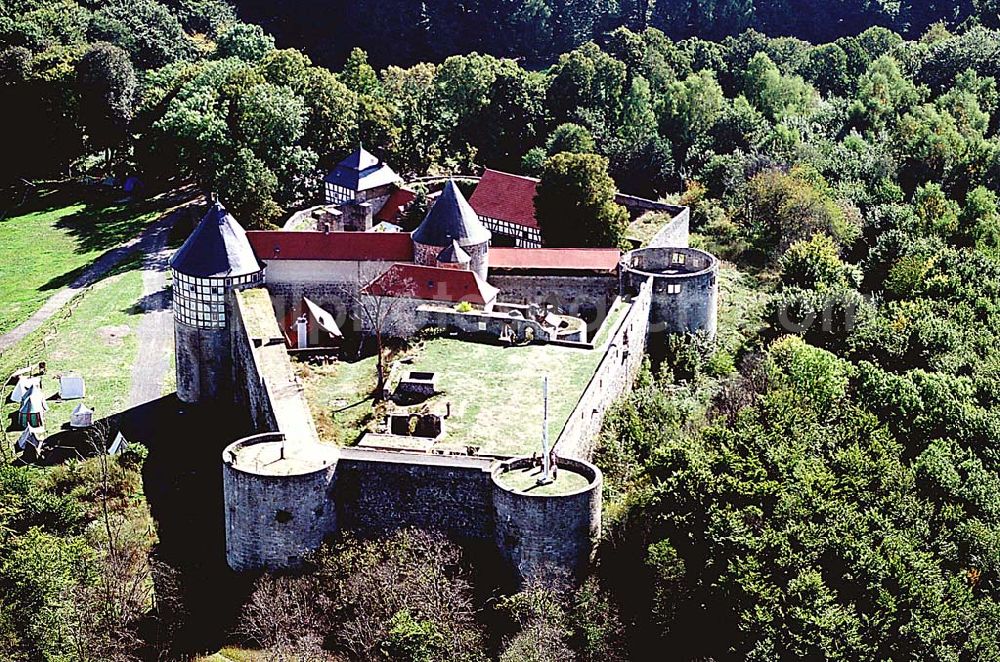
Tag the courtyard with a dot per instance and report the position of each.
(493, 393)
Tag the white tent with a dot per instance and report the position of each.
(71, 387)
(23, 384)
(81, 416)
(31, 437)
(33, 407)
(119, 445)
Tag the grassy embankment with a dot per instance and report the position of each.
(49, 242)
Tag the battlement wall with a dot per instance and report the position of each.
(380, 491)
(613, 377)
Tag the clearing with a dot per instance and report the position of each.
(94, 335)
(55, 237)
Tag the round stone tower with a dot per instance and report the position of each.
(546, 534)
(451, 219)
(685, 289)
(277, 498)
(215, 260)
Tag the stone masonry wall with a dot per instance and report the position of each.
(274, 521)
(685, 294)
(675, 233)
(333, 285)
(613, 377)
(377, 492)
(250, 391)
(591, 294)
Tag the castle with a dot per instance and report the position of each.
(247, 305)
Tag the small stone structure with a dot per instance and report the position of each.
(427, 425)
(417, 384)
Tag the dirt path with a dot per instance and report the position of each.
(156, 330)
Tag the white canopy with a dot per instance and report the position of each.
(323, 319)
(32, 437)
(71, 387)
(23, 384)
(119, 445)
(81, 416)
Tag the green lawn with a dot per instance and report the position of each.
(339, 396)
(47, 246)
(94, 335)
(495, 392)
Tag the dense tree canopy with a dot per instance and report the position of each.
(575, 204)
(818, 481)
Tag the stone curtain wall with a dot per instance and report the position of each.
(613, 377)
(379, 491)
(674, 234)
(250, 389)
(574, 294)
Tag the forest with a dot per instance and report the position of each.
(821, 481)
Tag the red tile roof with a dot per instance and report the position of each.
(556, 259)
(415, 281)
(506, 197)
(281, 245)
(393, 207)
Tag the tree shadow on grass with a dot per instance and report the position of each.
(149, 303)
(100, 226)
(128, 259)
(19, 202)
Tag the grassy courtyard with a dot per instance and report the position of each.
(94, 335)
(495, 392)
(50, 241)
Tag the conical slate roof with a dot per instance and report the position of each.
(217, 248)
(361, 171)
(453, 254)
(451, 219)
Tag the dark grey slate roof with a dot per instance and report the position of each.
(451, 219)
(218, 247)
(453, 254)
(361, 171)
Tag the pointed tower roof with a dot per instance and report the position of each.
(217, 248)
(451, 219)
(361, 171)
(453, 254)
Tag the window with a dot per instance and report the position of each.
(679, 258)
(201, 302)
(673, 288)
